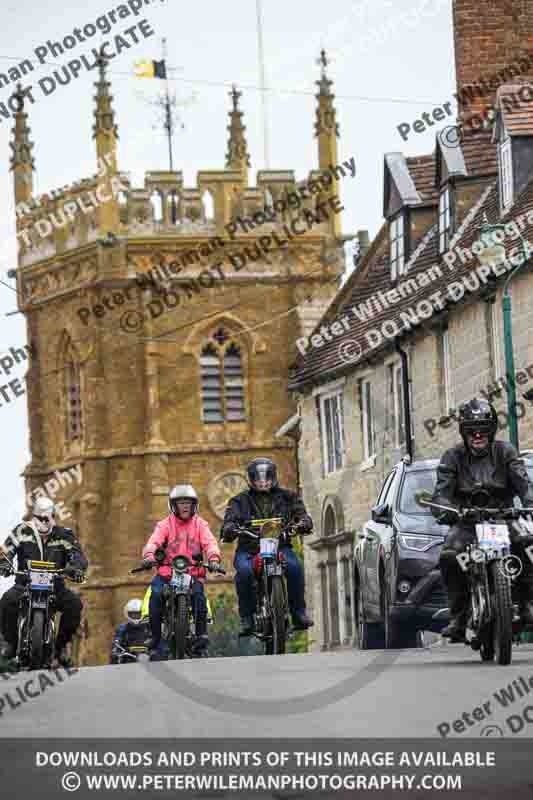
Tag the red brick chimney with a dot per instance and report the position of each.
(493, 45)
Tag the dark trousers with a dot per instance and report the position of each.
(245, 582)
(66, 601)
(455, 577)
(198, 602)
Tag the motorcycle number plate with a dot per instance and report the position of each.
(268, 548)
(492, 536)
(41, 580)
(181, 582)
(271, 568)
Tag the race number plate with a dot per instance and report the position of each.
(181, 582)
(268, 548)
(492, 537)
(41, 580)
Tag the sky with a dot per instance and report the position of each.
(390, 62)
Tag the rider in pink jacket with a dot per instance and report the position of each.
(187, 537)
(183, 532)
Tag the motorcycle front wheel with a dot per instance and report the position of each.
(37, 639)
(276, 644)
(181, 627)
(499, 642)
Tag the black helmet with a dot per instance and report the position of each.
(477, 416)
(262, 469)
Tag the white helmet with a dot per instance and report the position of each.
(133, 611)
(43, 511)
(182, 492)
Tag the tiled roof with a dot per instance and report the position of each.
(479, 153)
(517, 113)
(422, 170)
(336, 357)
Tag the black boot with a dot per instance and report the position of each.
(247, 626)
(63, 656)
(455, 630)
(302, 621)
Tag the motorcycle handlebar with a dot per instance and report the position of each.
(289, 530)
(215, 567)
(509, 513)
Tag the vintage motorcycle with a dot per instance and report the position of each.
(490, 570)
(178, 627)
(36, 616)
(270, 568)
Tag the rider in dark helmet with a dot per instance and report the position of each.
(265, 499)
(480, 472)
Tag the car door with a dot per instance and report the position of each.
(377, 530)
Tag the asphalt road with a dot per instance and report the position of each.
(405, 693)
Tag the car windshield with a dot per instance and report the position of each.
(417, 481)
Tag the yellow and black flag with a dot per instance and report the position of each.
(151, 69)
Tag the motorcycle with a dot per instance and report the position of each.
(178, 628)
(491, 571)
(270, 568)
(133, 655)
(36, 616)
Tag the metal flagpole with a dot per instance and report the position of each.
(263, 83)
(168, 115)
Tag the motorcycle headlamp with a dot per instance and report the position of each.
(181, 563)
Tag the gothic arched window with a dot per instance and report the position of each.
(72, 384)
(222, 380)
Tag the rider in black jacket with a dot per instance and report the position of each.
(485, 473)
(40, 539)
(264, 500)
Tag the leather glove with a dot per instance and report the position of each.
(74, 574)
(471, 516)
(5, 570)
(148, 563)
(229, 533)
(304, 527)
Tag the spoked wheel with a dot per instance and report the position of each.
(37, 639)
(502, 605)
(181, 628)
(276, 644)
(370, 635)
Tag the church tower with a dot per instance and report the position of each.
(164, 319)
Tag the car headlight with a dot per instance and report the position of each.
(415, 541)
(180, 563)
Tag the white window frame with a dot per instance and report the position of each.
(326, 399)
(506, 173)
(397, 245)
(398, 406)
(447, 384)
(495, 340)
(367, 416)
(444, 219)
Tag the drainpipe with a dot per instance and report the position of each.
(406, 400)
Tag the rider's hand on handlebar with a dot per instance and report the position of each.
(148, 563)
(471, 516)
(74, 574)
(5, 570)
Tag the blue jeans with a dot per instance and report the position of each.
(199, 608)
(245, 582)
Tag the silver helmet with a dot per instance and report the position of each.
(133, 611)
(182, 492)
(43, 511)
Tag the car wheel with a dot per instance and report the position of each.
(397, 637)
(370, 635)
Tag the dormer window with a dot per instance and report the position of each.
(445, 220)
(506, 174)
(397, 245)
